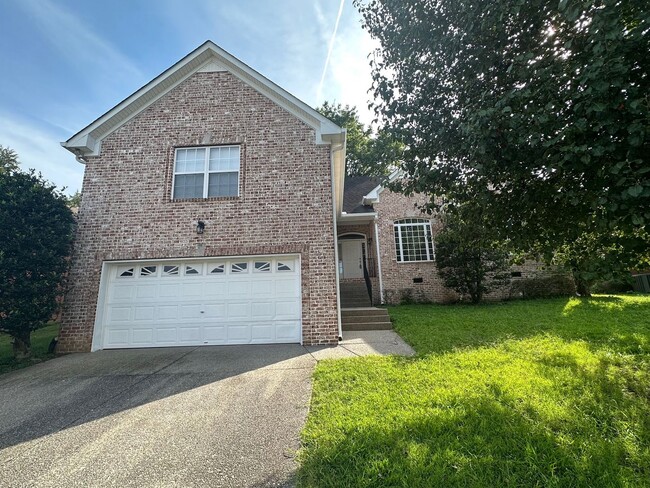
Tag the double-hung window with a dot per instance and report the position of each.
(203, 172)
(413, 240)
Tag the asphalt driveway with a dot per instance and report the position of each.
(196, 416)
(208, 416)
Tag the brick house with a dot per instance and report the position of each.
(215, 210)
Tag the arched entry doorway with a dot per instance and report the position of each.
(352, 255)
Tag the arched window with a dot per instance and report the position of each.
(413, 240)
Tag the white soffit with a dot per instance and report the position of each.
(206, 58)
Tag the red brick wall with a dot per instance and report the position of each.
(285, 202)
(398, 277)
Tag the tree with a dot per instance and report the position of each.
(37, 231)
(538, 108)
(74, 201)
(8, 160)
(602, 257)
(367, 153)
(469, 259)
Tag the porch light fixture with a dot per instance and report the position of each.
(200, 227)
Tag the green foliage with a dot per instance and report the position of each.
(40, 343)
(526, 393)
(468, 257)
(593, 257)
(74, 201)
(367, 153)
(544, 286)
(538, 108)
(37, 231)
(8, 160)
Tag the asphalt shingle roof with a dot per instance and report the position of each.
(357, 187)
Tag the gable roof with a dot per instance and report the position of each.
(207, 57)
(355, 190)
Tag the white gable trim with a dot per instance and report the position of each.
(207, 57)
(373, 195)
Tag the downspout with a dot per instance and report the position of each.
(381, 280)
(336, 246)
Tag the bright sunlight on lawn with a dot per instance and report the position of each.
(529, 393)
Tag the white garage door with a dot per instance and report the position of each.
(249, 300)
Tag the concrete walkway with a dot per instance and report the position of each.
(206, 416)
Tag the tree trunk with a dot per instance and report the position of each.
(22, 345)
(582, 287)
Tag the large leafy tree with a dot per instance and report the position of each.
(37, 228)
(367, 153)
(539, 109)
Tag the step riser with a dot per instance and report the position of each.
(360, 319)
(367, 327)
(367, 313)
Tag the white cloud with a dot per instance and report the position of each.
(330, 46)
(349, 77)
(39, 149)
(86, 53)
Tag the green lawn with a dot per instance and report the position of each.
(40, 341)
(528, 393)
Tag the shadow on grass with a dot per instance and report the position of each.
(479, 442)
(458, 450)
(618, 321)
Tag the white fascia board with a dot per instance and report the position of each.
(338, 149)
(207, 57)
(373, 195)
(357, 217)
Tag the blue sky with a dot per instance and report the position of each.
(65, 62)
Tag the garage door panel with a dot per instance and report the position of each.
(238, 310)
(263, 333)
(123, 292)
(262, 288)
(238, 288)
(215, 289)
(167, 312)
(119, 314)
(287, 331)
(118, 337)
(215, 311)
(263, 310)
(169, 290)
(215, 334)
(225, 301)
(191, 311)
(286, 288)
(142, 337)
(150, 290)
(144, 313)
(285, 309)
(166, 335)
(190, 334)
(238, 333)
(192, 290)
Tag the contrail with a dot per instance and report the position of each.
(329, 51)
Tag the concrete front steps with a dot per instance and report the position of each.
(367, 318)
(354, 295)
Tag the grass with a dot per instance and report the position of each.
(41, 339)
(528, 393)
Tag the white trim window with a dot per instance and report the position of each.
(203, 172)
(413, 240)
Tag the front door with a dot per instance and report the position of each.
(352, 256)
